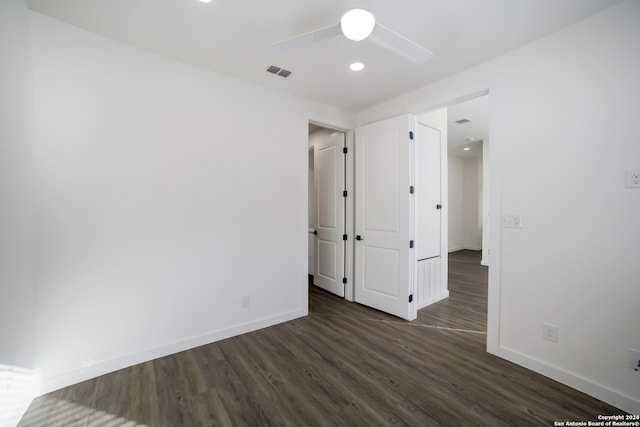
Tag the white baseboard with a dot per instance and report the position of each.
(69, 378)
(599, 391)
(484, 262)
(462, 248)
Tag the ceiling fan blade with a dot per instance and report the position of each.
(401, 45)
(307, 38)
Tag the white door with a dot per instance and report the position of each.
(384, 265)
(427, 192)
(329, 171)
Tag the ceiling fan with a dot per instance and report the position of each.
(357, 25)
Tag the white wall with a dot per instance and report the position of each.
(168, 193)
(465, 197)
(563, 130)
(16, 163)
(17, 285)
(472, 221)
(456, 203)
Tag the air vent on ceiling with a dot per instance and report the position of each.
(278, 71)
(462, 121)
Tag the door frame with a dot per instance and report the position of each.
(348, 131)
(495, 204)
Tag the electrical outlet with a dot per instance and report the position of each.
(632, 179)
(550, 332)
(634, 359)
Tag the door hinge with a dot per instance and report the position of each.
(344, 237)
(345, 150)
(410, 135)
(412, 189)
(344, 193)
(411, 244)
(411, 298)
(344, 280)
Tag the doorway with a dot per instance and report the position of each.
(364, 251)
(467, 163)
(328, 208)
(468, 174)
(381, 248)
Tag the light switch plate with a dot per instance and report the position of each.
(511, 221)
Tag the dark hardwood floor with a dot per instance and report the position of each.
(343, 365)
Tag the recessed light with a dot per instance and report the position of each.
(356, 66)
(205, 1)
(467, 148)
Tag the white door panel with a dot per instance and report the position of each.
(326, 168)
(381, 177)
(327, 259)
(380, 264)
(383, 174)
(330, 213)
(427, 192)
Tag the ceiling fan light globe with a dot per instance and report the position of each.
(357, 24)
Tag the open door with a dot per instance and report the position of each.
(384, 262)
(428, 192)
(329, 176)
(431, 208)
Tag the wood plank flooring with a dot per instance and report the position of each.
(343, 365)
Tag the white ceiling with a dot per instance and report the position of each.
(234, 37)
(477, 112)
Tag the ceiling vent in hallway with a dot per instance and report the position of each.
(463, 121)
(278, 71)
